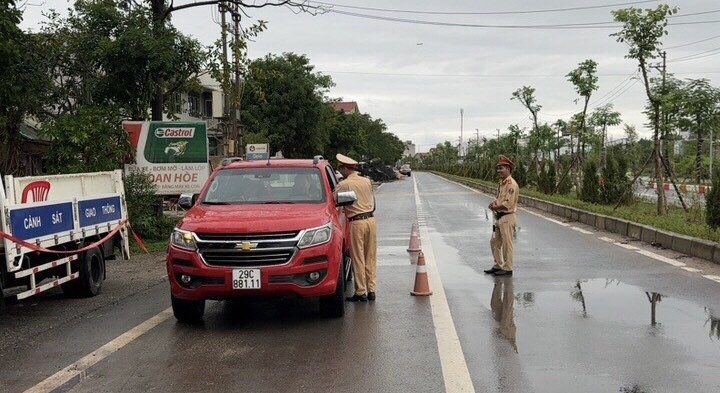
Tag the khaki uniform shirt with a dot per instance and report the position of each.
(363, 190)
(507, 196)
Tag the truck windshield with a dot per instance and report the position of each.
(266, 185)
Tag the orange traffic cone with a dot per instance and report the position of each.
(422, 286)
(414, 239)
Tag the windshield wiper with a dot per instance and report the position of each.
(278, 203)
(214, 203)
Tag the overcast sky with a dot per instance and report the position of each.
(417, 77)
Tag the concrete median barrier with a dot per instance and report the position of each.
(702, 249)
(682, 244)
(648, 234)
(663, 239)
(634, 231)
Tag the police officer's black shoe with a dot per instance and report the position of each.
(492, 270)
(503, 273)
(357, 298)
(371, 296)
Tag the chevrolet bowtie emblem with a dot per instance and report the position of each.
(246, 246)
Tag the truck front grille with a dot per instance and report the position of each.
(233, 258)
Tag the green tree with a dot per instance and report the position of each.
(87, 140)
(585, 80)
(382, 146)
(603, 117)
(642, 31)
(101, 54)
(700, 113)
(284, 100)
(23, 85)
(526, 96)
(161, 12)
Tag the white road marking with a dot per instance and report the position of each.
(452, 360)
(626, 246)
(691, 269)
(606, 239)
(80, 367)
(581, 230)
(545, 218)
(661, 258)
(714, 278)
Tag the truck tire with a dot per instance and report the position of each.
(92, 275)
(333, 306)
(188, 311)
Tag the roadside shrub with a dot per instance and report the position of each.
(566, 184)
(590, 191)
(548, 177)
(520, 174)
(712, 203)
(141, 199)
(615, 182)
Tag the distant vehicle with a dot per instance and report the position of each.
(262, 228)
(405, 170)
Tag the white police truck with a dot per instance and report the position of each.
(58, 231)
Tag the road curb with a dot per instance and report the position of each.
(699, 248)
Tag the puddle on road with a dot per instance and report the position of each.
(606, 333)
(613, 302)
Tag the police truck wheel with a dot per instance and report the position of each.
(333, 306)
(91, 268)
(188, 311)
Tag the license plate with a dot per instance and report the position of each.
(246, 279)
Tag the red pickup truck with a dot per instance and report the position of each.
(261, 228)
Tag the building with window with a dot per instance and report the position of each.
(203, 106)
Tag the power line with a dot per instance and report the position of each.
(458, 75)
(566, 26)
(395, 74)
(694, 42)
(615, 96)
(615, 89)
(622, 85)
(696, 56)
(539, 11)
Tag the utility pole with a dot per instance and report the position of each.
(238, 90)
(461, 132)
(226, 102)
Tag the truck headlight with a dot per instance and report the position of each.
(183, 239)
(314, 236)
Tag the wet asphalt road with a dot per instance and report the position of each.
(576, 317)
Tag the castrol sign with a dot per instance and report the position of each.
(175, 132)
(174, 154)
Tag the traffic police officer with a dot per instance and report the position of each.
(504, 207)
(363, 230)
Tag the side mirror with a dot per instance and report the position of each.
(346, 198)
(186, 201)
